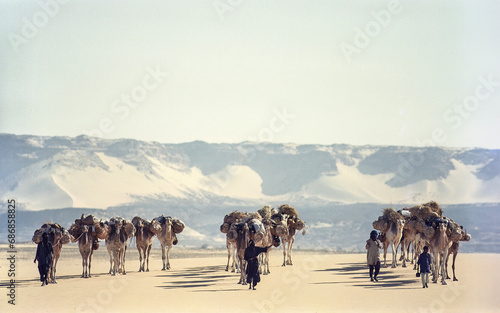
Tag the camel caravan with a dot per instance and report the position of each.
(415, 227)
(419, 226)
(88, 230)
(267, 227)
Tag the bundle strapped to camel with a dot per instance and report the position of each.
(288, 209)
(153, 226)
(231, 218)
(98, 228)
(265, 211)
(177, 225)
(58, 230)
(383, 222)
(425, 210)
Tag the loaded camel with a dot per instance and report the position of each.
(120, 231)
(144, 236)
(228, 227)
(454, 250)
(87, 243)
(287, 224)
(57, 237)
(167, 236)
(439, 246)
(86, 231)
(391, 224)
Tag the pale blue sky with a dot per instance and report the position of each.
(414, 80)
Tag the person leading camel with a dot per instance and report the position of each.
(251, 254)
(44, 255)
(373, 254)
(425, 261)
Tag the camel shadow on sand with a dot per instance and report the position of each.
(359, 271)
(26, 282)
(198, 277)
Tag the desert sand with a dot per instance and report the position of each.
(197, 282)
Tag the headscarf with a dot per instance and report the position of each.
(45, 239)
(373, 235)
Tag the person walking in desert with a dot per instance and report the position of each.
(251, 254)
(373, 254)
(44, 255)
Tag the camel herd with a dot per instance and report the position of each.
(419, 226)
(116, 232)
(412, 227)
(267, 227)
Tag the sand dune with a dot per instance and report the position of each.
(197, 282)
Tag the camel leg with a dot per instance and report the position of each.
(115, 261)
(90, 261)
(53, 270)
(453, 265)
(284, 253)
(404, 246)
(393, 265)
(236, 265)
(290, 244)
(228, 247)
(435, 262)
(168, 260)
(446, 267)
(242, 281)
(84, 266)
(141, 267)
(123, 261)
(443, 274)
(163, 257)
(147, 257)
(386, 247)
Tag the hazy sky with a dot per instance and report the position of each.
(356, 72)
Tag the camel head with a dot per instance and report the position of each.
(401, 223)
(465, 236)
(442, 227)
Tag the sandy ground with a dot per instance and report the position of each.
(197, 282)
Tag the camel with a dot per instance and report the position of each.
(241, 244)
(231, 245)
(454, 250)
(86, 244)
(266, 241)
(229, 228)
(144, 241)
(408, 237)
(392, 237)
(439, 246)
(57, 237)
(120, 231)
(419, 243)
(167, 239)
(287, 236)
